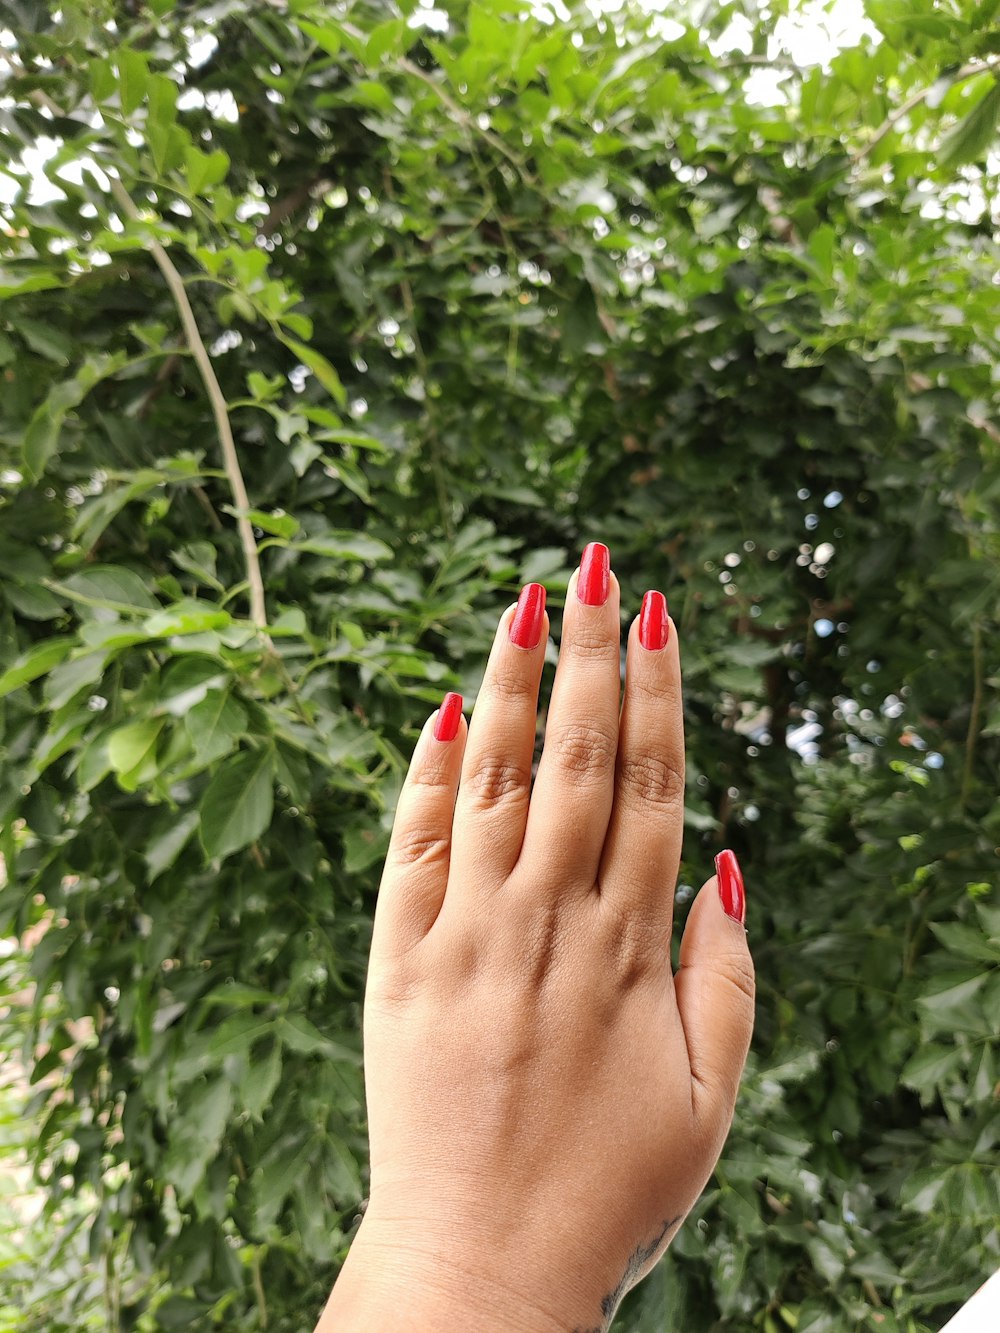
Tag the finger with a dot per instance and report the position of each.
(496, 774)
(574, 786)
(643, 844)
(416, 866)
(714, 987)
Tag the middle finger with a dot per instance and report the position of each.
(574, 787)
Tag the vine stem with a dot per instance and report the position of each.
(231, 461)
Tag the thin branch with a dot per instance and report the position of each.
(462, 116)
(972, 734)
(966, 72)
(255, 584)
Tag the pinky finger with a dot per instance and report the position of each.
(415, 876)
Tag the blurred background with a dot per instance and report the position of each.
(324, 326)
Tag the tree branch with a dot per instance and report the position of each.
(220, 411)
(966, 72)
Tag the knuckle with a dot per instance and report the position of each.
(736, 971)
(648, 779)
(512, 687)
(652, 688)
(583, 747)
(593, 643)
(422, 847)
(493, 780)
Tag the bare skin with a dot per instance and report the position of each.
(546, 1098)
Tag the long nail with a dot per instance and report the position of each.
(595, 574)
(731, 885)
(526, 627)
(448, 718)
(654, 627)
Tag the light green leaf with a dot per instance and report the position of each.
(345, 546)
(203, 170)
(186, 617)
(278, 524)
(34, 663)
(325, 35)
(133, 74)
(132, 751)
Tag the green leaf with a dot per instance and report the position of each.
(296, 1032)
(345, 546)
(929, 1067)
(133, 74)
(34, 663)
(966, 941)
(42, 436)
(204, 170)
(216, 725)
(188, 681)
(165, 140)
(236, 807)
(325, 35)
(257, 1087)
(319, 366)
(972, 137)
(162, 850)
(280, 524)
(186, 617)
(132, 751)
(196, 1135)
(111, 587)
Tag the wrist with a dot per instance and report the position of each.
(420, 1279)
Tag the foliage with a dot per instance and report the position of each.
(472, 294)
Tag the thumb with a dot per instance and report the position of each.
(714, 987)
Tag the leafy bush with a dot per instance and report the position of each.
(323, 329)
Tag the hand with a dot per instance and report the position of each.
(546, 1100)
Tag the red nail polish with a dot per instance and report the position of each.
(731, 886)
(654, 627)
(526, 627)
(595, 575)
(448, 718)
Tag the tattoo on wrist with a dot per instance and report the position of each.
(637, 1261)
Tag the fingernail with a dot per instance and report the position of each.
(448, 718)
(731, 886)
(526, 627)
(654, 627)
(595, 574)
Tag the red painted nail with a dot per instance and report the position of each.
(731, 886)
(654, 627)
(595, 575)
(448, 718)
(526, 627)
